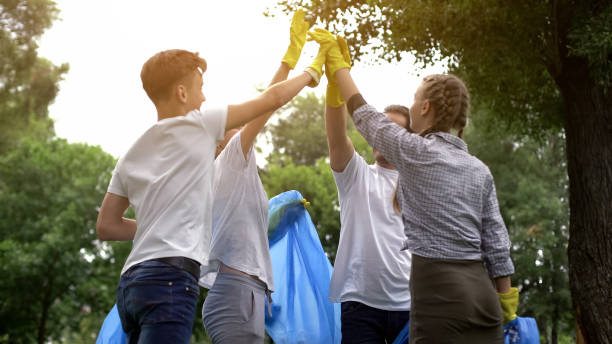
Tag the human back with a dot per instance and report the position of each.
(443, 202)
(240, 217)
(168, 178)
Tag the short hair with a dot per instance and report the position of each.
(163, 70)
(402, 110)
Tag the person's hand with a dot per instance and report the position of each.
(333, 97)
(297, 38)
(316, 68)
(335, 60)
(509, 304)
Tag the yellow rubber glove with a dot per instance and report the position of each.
(344, 50)
(335, 60)
(333, 96)
(509, 304)
(297, 38)
(316, 68)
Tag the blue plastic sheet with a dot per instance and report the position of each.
(301, 312)
(111, 331)
(521, 331)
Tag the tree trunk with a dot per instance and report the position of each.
(588, 128)
(46, 304)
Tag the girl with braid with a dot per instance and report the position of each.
(460, 248)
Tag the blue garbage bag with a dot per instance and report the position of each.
(301, 312)
(521, 331)
(111, 331)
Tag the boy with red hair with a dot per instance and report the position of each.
(167, 178)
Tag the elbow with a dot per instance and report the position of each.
(274, 98)
(102, 230)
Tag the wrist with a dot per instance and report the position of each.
(316, 77)
(502, 284)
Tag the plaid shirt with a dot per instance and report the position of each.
(448, 200)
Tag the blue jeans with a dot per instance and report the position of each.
(157, 303)
(368, 325)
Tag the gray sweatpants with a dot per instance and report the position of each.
(234, 310)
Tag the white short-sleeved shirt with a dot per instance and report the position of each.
(240, 217)
(167, 176)
(370, 266)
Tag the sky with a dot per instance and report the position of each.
(101, 100)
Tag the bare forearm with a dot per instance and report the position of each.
(111, 224)
(346, 84)
(281, 93)
(122, 230)
(270, 100)
(249, 133)
(340, 146)
(281, 74)
(503, 284)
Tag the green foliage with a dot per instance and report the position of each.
(301, 135)
(49, 255)
(591, 38)
(28, 83)
(510, 53)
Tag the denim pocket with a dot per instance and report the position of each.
(149, 301)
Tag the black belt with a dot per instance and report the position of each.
(183, 263)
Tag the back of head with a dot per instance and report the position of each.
(450, 100)
(401, 110)
(165, 69)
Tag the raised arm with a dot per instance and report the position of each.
(337, 65)
(297, 38)
(270, 100)
(341, 148)
(278, 94)
(250, 131)
(380, 132)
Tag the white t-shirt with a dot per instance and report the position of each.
(240, 217)
(370, 267)
(167, 176)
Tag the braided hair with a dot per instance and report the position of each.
(450, 100)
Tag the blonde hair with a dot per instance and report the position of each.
(450, 100)
(165, 69)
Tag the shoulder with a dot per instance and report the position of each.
(212, 116)
(356, 163)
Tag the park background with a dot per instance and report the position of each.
(71, 103)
